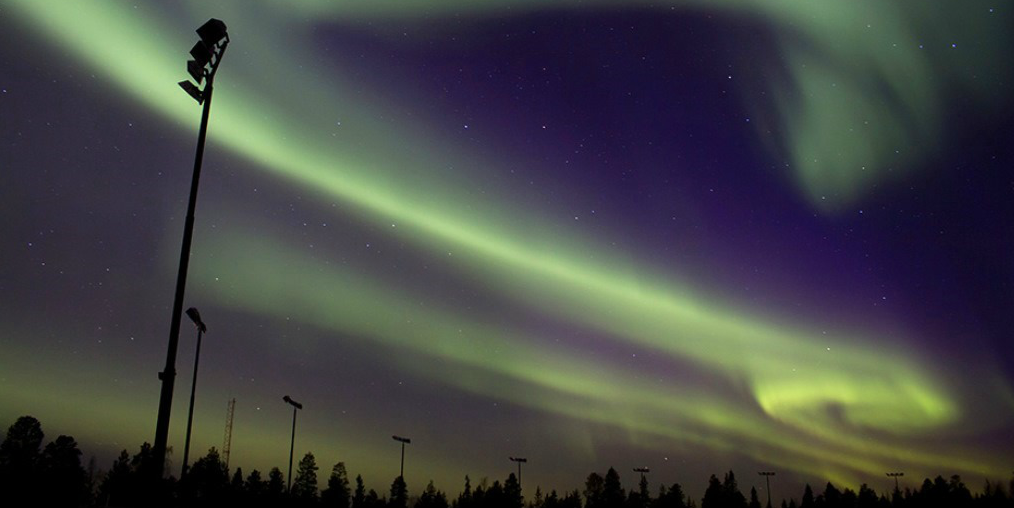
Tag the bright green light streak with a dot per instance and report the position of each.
(864, 100)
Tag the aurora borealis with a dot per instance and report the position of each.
(696, 236)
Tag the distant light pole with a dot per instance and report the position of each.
(519, 460)
(896, 475)
(207, 55)
(194, 316)
(292, 444)
(767, 478)
(642, 470)
(404, 441)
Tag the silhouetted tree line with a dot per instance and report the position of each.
(33, 475)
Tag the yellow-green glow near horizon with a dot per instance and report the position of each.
(865, 101)
(884, 395)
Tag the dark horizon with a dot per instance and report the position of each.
(53, 475)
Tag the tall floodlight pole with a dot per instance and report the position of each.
(404, 441)
(207, 55)
(292, 444)
(519, 460)
(895, 475)
(194, 316)
(767, 478)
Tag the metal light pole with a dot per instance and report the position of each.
(519, 460)
(404, 441)
(767, 478)
(207, 55)
(292, 444)
(895, 475)
(194, 316)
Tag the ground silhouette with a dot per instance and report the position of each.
(52, 475)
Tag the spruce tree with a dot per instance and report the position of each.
(399, 494)
(337, 493)
(304, 485)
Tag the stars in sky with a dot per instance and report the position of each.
(568, 216)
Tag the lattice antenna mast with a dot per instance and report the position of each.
(227, 445)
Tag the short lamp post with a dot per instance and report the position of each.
(767, 478)
(642, 471)
(292, 443)
(207, 55)
(404, 441)
(896, 475)
(519, 460)
(194, 316)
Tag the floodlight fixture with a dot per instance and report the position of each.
(207, 54)
(196, 70)
(213, 32)
(201, 53)
(192, 89)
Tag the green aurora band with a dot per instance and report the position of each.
(863, 104)
(795, 381)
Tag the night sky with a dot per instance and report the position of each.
(693, 236)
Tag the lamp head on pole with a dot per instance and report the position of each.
(288, 400)
(213, 32)
(402, 439)
(192, 89)
(196, 71)
(201, 53)
(518, 459)
(195, 316)
(207, 54)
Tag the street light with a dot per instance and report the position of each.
(519, 460)
(194, 316)
(292, 444)
(404, 441)
(207, 57)
(896, 475)
(642, 470)
(767, 478)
